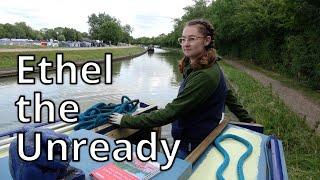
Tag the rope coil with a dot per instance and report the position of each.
(99, 113)
(226, 160)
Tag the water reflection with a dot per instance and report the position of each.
(152, 78)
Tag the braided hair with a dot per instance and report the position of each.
(209, 57)
(205, 28)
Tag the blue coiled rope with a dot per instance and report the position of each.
(42, 168)
(226, 160)
(99, 114)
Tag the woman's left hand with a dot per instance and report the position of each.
(115, 118)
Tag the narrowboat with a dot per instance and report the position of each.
(264, 154)
(150, 48)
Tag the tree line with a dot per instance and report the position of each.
(21, 30)
(101, 27)
(279, 35)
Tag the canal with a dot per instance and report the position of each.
(151, 78)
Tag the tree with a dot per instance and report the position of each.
(107, 28)
(85, 35)
(110, 31)
(96, 23)
(38, 35)
(2, 31)
(70, 34)
(126, 31)
(10, 30)
(61, 37)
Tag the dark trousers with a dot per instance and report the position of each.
(185, 148)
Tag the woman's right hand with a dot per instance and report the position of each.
(115, 118)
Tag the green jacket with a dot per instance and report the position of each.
(199, 87)
(233, 105)
(236, 108)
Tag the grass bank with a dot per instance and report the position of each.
(9, 59)
(301, 145)
(313, 95)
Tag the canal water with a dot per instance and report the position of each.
(151, 78)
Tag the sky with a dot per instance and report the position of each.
(147, 17)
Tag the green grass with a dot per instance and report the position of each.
(301, 145)
(9, 59)
(313, 95)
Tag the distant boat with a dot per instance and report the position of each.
(150, 48)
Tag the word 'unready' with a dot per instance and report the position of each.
(99, 149)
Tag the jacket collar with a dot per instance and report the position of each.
(187, 69)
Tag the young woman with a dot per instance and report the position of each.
(200, 103)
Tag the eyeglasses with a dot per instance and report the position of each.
(191, 39)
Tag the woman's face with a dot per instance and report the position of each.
(193, 42)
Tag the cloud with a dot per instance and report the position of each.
(20, 12)
(152, 25)
(147, 17)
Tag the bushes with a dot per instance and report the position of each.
(303, 58)
(280, 35)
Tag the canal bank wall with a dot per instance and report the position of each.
(14, 72)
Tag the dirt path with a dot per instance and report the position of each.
(294, 99)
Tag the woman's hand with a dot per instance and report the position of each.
(115, 118)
